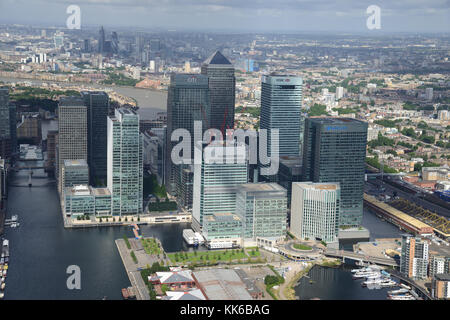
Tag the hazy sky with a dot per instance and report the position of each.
(237, 15)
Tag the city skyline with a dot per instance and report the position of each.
(282, 16)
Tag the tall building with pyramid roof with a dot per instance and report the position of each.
(222, 84)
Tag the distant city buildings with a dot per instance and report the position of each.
(335, 152)
(125, 163)
(315, 211)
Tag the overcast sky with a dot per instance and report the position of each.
(236, 15)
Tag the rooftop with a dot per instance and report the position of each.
(217, 58)
(222, 284)
(75, 163)
(442, 276)
(262, 187)
(318, 185)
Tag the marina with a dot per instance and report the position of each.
(4, 265)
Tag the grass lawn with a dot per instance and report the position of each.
(210, 256)
(151, 246)
(299, 246)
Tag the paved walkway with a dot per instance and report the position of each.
(296, 267)
(133, 273)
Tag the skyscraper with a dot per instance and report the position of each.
(335, 151)
(262, 208)
(13, 126)
(315, 210)
(414, 257)
(281, 101)
(187, 101)
(72, 137)
(101, 40)
(5, 129)
(216, 183)
(125, 160)
(97, 104)
(222, 84)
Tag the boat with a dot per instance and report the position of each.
(365, 275)
(2, 295)
(402, 297)
(2, 287)
(399, 291)
(387, 283)
(405, 286)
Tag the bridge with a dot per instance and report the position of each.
(360, 257)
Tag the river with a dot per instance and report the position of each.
(150, 101)
(41, 249)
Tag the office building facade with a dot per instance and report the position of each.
(262, 208)
(222, 83)
(315, 211)
(75, 172)
(97, 104)
(335, 151)
(216, 184)
(187, 102)
(281, 102)
(125, 163)
(72, 136)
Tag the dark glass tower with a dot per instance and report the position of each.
(97, 104)
(187, 101)
(222, 84)
(335, 151)
(101, 40)
(5, 129)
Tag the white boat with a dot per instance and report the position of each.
(365, 275)
(387, 283)
(402, 297)
(2, 295)
(2, 287)
(399, 291)
(405, 286)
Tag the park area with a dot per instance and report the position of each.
(214, 256)
(151, 246)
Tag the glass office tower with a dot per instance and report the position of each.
(187, 101)
(97, 104)
(281, 101)
(335, 151)
(72, 137)
(216, 184)
(222, 83)
(125, 160)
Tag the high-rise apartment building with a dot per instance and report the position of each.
(216, 183)
(262, 208)
(315, 211)
(125, 163)
(97, 104)
(222, 83)
(414, 257)
(72, 137)
(439, 264)
(335, 151)
(187, 102)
